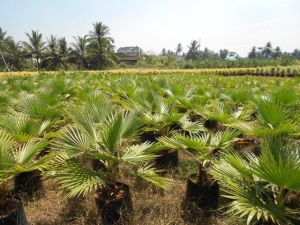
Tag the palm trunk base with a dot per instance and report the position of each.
(205, 194)
(114, 204)
(167, 160)
(13, 213)
(150, 136)
(29, 183)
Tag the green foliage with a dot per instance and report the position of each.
(259, 185)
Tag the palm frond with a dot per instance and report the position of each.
(191, 127)
(6, 158)
(28, 151)
(137, 154)
(149, 174)
(74, 178)
(72, 140)
(279, 166)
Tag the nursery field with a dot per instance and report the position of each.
(150, 147)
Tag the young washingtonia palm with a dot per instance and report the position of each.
(82, 142)
(260, 187)
(204, 148)
(17, 160)
(160, 118)
(273, 119)
(26, 132)
(22, 127)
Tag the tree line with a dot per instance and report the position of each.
(96, 51)
(195, 53)
(92, 51)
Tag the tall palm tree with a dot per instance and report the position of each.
(178, 48)
(193, 52)
(101, 46)
(80, 50)
(64, 53)
(267, 51)
(100, 34)
(4, 39)
(52, 59)
(35, 46)
(16, 56)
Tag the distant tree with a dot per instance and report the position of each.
(296, 54)
(52, 55)
(100, 47)
(58, 54)
(277, 52)
(194, 50)
(163, 52)
(35, 47)
(100, 34)
(15, 56)
(170, 52)
(4, 46)
(64, 53)
(267, 51)
(223, 54)
(253, 54)
(178, 49)
(79, 52)
(205, 54)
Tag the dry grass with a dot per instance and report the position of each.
(151, 207)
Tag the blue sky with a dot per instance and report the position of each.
(154, 24)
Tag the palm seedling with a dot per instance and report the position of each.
(260, 188)
(214, 114)
(158, 117)
(16, 161)
(44, 106)
(86, 140)
(23, 129)
(204, 148)
(273, 119)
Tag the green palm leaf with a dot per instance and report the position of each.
(72, 140)
(27, 152)
(137, 154)
(150, 174)
(75, 178)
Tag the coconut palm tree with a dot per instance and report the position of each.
(35, 47)
(267, 51)
(100, 46)
(178, 49)
(260, 187)
(4, 39)
(100, 34)
(194, 50)
(16, 56)
(52, 58)
(80, 51)
(63, 53)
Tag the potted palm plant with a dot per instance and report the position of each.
(80, 143)
(24, 129)
(205, 147)
(15, 160)
(259, 187)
